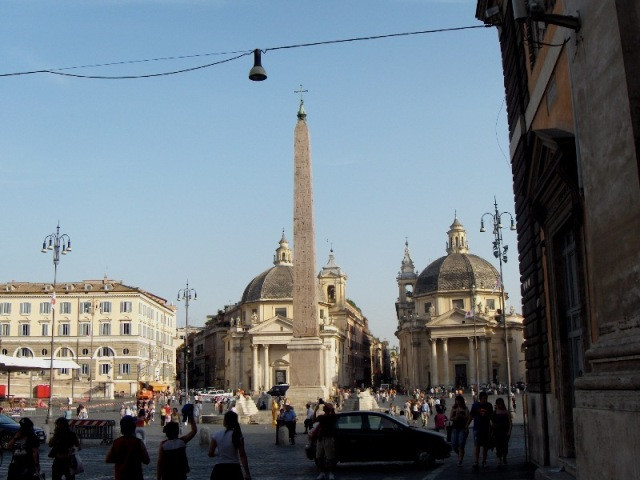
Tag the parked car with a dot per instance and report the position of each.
(363, 436)
(9, 427)
(279, 390)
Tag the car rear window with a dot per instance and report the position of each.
(349, 422)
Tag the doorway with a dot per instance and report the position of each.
(461, 375)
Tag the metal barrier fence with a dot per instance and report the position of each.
(94, 429)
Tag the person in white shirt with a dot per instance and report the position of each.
(402, 418)
(229, 445)
(308, 422)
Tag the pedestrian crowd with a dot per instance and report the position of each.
(491, 429)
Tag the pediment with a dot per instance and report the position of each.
(455, 318)
(276, 325)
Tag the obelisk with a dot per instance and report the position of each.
(305, 348)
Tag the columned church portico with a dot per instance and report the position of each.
(447, 324)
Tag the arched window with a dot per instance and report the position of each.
(106, 352)
(25, 352)
(65, 352)
(331, 293)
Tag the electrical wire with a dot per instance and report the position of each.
(126, 77)
(60, 71)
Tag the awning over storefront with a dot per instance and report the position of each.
(19, 364)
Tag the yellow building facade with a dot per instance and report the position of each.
(120, 336)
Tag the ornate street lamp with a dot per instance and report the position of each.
(59, 244)
(186, 294)
(500, 252)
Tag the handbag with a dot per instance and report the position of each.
(76, 464)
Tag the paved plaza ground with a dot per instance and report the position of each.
(274, 462)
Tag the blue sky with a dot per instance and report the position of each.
(190, 176)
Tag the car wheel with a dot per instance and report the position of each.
(426, 459)
(5, 438)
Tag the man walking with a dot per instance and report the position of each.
(289, 418)
(481, 413)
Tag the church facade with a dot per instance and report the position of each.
(449, 321)
(245, 344)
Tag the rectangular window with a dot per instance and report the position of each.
(105, 307)
(282, 312)
(125, 328)
(427, 307)
(45, 308)
(105, 329)
(5, 329)
(65, 307)
(104, 368)
(63, 371)
(125, 368)
(125, 307)
(84, 329)
(85, 368)
(5, 308)
(25, 308)
(85, 307)
(458, 303)
(44, 329)
(491, 304)
(64, 330)
(24, 330)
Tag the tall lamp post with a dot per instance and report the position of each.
(500, 252)
(186, 294)
(59, 244)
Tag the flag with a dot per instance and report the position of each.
(469, 314)
(53, 300)
(497, 285)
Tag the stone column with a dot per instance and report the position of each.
(483, 360)
(254, 373)
(473, 377)
(327, 366)
(238, 355)
(434, 362)
(445, 359)
(267, 368)
(305, 348)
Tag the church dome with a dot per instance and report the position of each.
(456, 271)
(272, 284)
(276, 283)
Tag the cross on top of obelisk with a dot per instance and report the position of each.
(301, 113)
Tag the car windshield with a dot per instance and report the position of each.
(5, 419)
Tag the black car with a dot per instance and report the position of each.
(363, 436)
(9, 427)
(279, 390)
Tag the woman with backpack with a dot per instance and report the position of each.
(25, 462)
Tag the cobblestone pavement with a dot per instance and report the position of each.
(268, 461)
